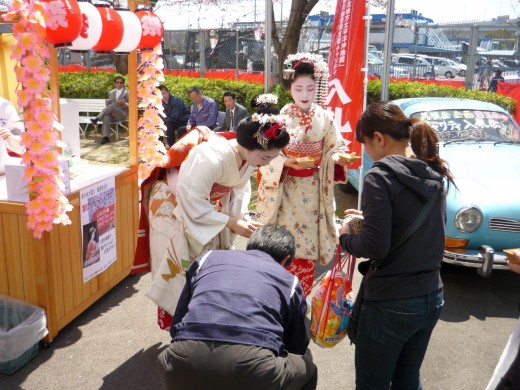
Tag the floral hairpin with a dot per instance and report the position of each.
(321, 69)
(270, 128)
(266, 98)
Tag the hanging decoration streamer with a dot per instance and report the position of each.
(47, 205)
(151, 127)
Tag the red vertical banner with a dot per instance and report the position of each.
(346, 79)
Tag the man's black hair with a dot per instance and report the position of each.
(275, 240)
(163, 88)
(231, 94)
(195, 89)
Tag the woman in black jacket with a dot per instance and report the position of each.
(402, 289)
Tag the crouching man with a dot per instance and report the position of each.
(240, 321)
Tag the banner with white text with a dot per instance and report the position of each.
(98, 221)
(346, 60)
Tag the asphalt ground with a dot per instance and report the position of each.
(114, 344)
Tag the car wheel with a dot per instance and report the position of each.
(448, 75)
(462, 73)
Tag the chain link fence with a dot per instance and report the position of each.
(472, 54)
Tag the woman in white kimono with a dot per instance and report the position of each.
(209, 197)
(300, 194)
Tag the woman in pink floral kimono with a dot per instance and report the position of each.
(300, 194)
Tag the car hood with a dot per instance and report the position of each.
(484, 173)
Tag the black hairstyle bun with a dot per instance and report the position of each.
(247, 128)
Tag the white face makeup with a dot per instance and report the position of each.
(303, 91)
(260, 157)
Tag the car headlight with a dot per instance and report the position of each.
(468, 219)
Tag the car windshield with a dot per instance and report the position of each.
(471, 125)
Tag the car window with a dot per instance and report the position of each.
(471, 125)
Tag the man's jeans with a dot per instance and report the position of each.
(392, 338)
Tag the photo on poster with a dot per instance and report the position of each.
(91, 253)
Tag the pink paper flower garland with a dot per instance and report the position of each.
(47, 204)
(151, 127)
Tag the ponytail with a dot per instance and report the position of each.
(387, 118)
(425, 145)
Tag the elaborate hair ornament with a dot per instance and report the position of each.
(270, 128)
(266, 98)
(321, 69)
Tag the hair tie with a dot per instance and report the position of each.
(407, 123)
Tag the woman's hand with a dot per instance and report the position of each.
(515, 267)
(341, 160)
(205, 131)
(352, 211)
(345, 227)
(5, 133)
(291, 163)
(242, 227)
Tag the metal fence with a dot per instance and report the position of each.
(468, 53)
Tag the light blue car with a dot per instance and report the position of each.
(481, 143)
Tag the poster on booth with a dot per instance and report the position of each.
(346, 76)
(98, 227)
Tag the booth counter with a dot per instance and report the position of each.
(48, 272)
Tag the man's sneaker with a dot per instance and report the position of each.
(94, 120)
(105, 140)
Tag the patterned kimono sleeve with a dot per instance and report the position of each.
(270, 190)
(334, 144)
(239, 200)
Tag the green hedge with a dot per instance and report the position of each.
(97, 85)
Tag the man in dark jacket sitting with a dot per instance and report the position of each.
(176, 114)
(240, 321)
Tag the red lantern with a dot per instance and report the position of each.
(152, 29)
(63, 21)
(112, 33)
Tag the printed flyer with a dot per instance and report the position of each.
(98, 221)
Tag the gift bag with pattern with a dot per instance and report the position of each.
(332, 302)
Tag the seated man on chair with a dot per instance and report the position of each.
(176, 114)
(204, 111)
(116, 109)
(234, 113)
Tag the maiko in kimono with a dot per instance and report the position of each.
(297, 189)
(198, 201)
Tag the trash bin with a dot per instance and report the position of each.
(22, 326)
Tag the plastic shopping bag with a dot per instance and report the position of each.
(332, 303)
